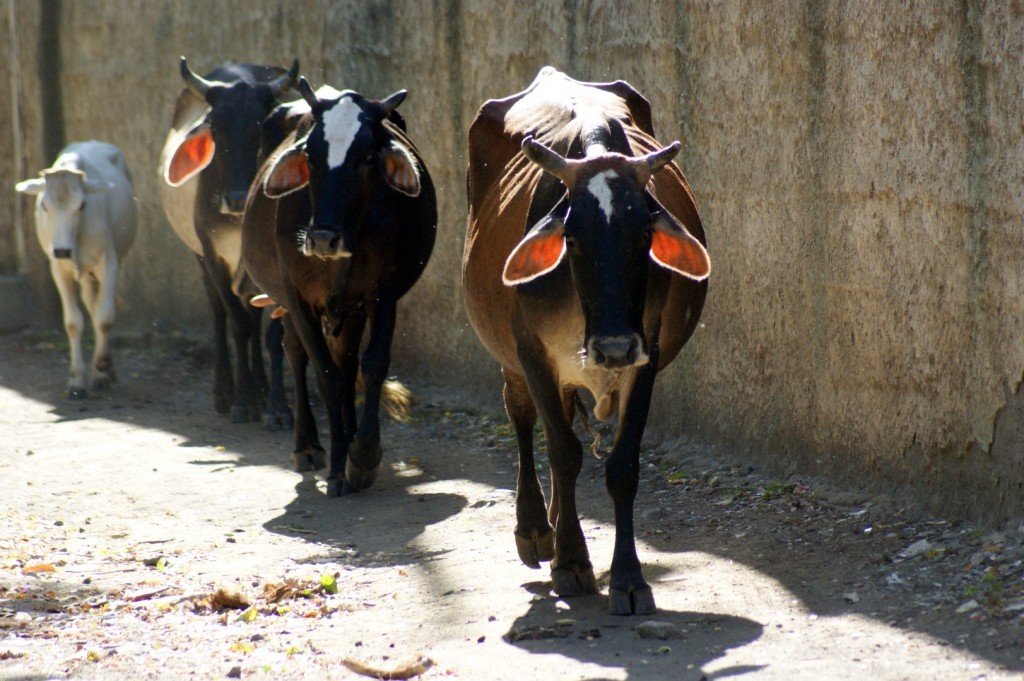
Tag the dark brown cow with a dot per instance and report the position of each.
(339, 225)
(209, 159)
(584, 268)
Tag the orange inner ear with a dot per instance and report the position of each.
(535, 256)
(400, 173)
(191, 156)
(681, 252)
(289, 173)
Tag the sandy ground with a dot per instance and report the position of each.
(144, 536)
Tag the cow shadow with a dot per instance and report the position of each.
(582, 629)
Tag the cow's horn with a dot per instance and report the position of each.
(656, 159)
(196, 84)
(307, 93)
(285, 80)
(543, 156)
(391, 103)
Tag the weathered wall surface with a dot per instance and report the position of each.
(859, 171)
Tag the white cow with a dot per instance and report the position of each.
(85, 221)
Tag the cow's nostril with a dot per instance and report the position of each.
(62, 253)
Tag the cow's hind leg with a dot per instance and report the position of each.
(309, 454)
(278, 416)
(535, 538)
(365, 453)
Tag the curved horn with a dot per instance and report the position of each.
(391, 102)
(656, 159)
(284, 81)
(307, 93)
(648, 164)
(195, 83)
(543, 156)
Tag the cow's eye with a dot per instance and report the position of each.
(370, 158)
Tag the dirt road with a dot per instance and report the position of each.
(143, 536)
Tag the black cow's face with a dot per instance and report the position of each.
(611, 232)
(345, 159)
(608, 236)
(237, 111)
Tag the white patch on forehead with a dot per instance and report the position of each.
(341, 124)
(600, 187)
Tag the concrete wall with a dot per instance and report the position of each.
(859, 171)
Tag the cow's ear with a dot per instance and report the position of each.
(537, 254)
(289, 173)
(400, 170)
(31, 187)
(191, 156)
(674, 248)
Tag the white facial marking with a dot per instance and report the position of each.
(341, 123)
(600, 187)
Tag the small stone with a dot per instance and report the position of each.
(235, 673)
(662, 631)
(967, 607)
(921, 546)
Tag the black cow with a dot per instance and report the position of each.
(209, 160)
(584, 268)
(339, 225)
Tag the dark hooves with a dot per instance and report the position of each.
(277, 421)
(309, 460)
(536, 548)
(631, 601)
(569, 582)
(339, 488)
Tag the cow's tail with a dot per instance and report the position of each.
(395, 398)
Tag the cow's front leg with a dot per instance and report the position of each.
(535, 538)
(308, 455)
(99, 299)
(572, 573)
(223, 383)
(73, 323)
(365, 454)
(629, 593)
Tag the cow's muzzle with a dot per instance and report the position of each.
(616, 352)
(328, 244)
(62, 253)
(233, 202)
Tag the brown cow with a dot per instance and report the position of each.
(584, 268)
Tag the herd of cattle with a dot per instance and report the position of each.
(584, 268)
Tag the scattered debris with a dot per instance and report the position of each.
(406, 670)
(663, 631)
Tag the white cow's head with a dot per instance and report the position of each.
(60, 199)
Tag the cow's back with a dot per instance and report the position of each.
(113, 209)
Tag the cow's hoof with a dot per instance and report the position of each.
(310, 459)
(275, 421)
(101, 383)
(631, 602)
(573, 581)
(362, 464)
(536, 548)
(75, 393)
(243, 413)
(339, 488)
(359, 478)
(221, 405)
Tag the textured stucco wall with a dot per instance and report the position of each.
(858, 170)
